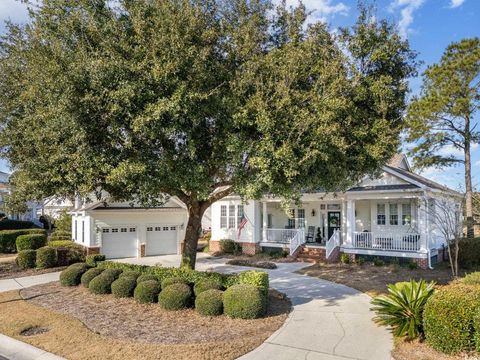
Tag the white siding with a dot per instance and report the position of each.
(249, 232)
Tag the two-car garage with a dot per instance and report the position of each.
(125, 230)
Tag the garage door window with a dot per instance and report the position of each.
(114, 230)
(132, 229)
(149, 228)
(105, 230)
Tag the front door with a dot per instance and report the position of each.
(333, 222)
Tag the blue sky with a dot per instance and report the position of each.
(429, 25)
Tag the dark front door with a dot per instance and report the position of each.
(333, 222)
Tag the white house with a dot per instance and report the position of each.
(387, 216)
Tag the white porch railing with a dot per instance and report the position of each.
(386, 241)
(332, 243)
(291, 237)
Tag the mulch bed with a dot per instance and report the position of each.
(10, 270)
(253, 263)
(125, 319)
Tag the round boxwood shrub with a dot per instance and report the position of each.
(448, 318)
(89, 275)
(206, 284)
(112, 273)
(101, 284)
(93, 259)
(46, 257)
(244, 301)
(72, 275)
(146, 277)
(209, 302)
(130, 273)
(173, 280)
(147, 291)
(30, 241)
(175, 297)
(124, 286)
(26, 259)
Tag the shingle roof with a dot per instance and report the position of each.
(384, 187)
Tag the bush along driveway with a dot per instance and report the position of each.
(329, 321)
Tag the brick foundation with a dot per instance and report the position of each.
(213, 246)
(250, 248)
(141, 250)
(422, 263)
(93, 250)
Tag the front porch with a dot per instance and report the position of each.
(383, 226)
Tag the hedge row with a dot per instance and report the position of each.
(244, 297)
(8, 224)
(30, 241)
(8, 238)
(45, 257)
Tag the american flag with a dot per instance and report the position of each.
(242, 224)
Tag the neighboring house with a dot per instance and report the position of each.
(389, 216)
(53, 207)
(4, 189)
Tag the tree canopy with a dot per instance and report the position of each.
(442, 118)
(197, 99)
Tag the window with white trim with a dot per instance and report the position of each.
(406, 214)
(393, 214)
(240, 214)
(231, 216)
(75, 230)
(301, 218)
(223, 216)
(83, 231)
(380, 214)
(269, 221)
(291, 219)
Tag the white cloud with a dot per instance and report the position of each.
(451, 177)
(456, 3)
(406, 8)
(477, 163)
(12, 10)
(322, 9)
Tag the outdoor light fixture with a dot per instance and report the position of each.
(313, 212)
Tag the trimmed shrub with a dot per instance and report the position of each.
(61, 233)
(175, 297)
(80, 265)
(147, 292)
(378, 262)
(472, 278)
(209, 303)
(101, 284)
(173, 280)
(61, 243)
(469, 253)
(89, 275)
(448, 319)
(7, 224)
(46, 257)
(344, 259)
(402, 308)
(92, 260)
(206, 284)
(161, 273)
(146, 277)
(70, 254)
(9, 237)
(26, 259)
(244, 301)
(123, 287)
(228, 246)
(72, 275)
(112, 273)
(130, 273)
(412, 265)
(30, 242)
(257, 278)
(252, 263)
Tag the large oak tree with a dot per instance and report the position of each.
(196, 99)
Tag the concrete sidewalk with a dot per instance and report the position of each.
(12, 349)
(27, 281)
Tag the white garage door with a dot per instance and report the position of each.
(161, 240)
(119, 242)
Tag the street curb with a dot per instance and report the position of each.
(14, 349)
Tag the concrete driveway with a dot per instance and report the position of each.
(328, 322)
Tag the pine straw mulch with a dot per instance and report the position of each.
(86, 326)
(9, 269)
(417, 350)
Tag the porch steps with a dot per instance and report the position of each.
(311, 254)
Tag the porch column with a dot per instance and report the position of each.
(424, 224)
(264, 221)
(350, 222)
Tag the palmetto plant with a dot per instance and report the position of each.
(402, 308)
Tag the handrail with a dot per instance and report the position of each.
(332, 243)
(297, 241)
(388, 241)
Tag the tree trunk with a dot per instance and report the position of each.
(192, 234)
(468, 190)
